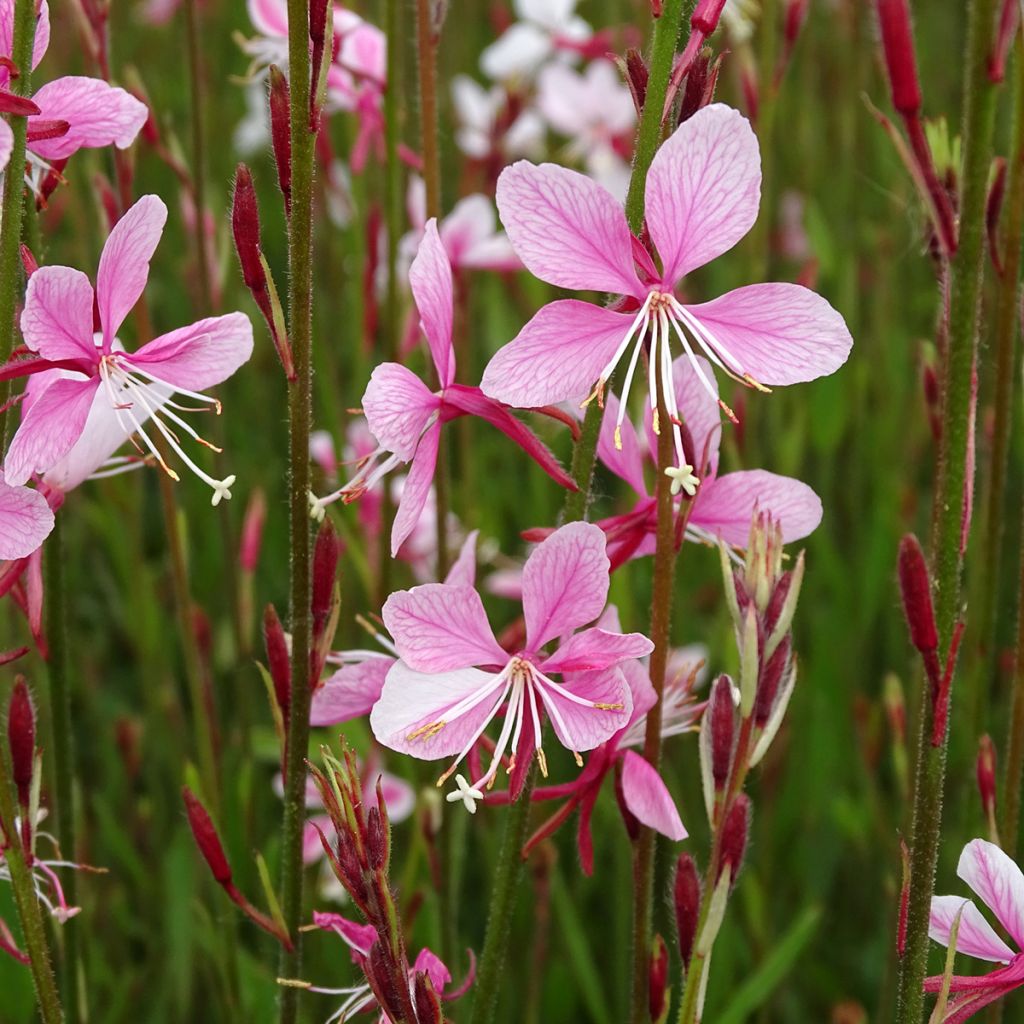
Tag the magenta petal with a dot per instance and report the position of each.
(124, 264)
(199, 356)
(565, 583)
(596, 649)
(725, 506)
(557, 356)
(433, 967)
(647, 797)
(49, 429)
(463, 570)
(997, 879)
(430, 278)
(269, 17)
(438, 627)
(412, 700)
(703, 189)
(397, 406)
(57, 319)
(25, 521)
(359, 937)
(97, 114)
(567, 229)
(976, 936)
(627, 460)
(416, 489)
(350, 692)
(312, 847)
(582, 726)
(780, 333)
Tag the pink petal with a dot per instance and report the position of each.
(399, 796)
(359, 937)
(557, 356)
(397, 406)
(6, 144)
(433, 967)
(565, 583)
(98, 114)
(430, 278)
(25, 521)
(412, 700)
(627, 461)
(312, 847)
(647, 797)
(698, 410)
(780, 333)
(583, 727)
(416, 489)
(350, 692)
(124, 265)
(998, 881)
(269, 17)
(703, 189)
(638, 679)
(57, 319)
(40, 42)
(463, 570)
(596, 649)
(976, 936)
(724, 506)
(49, 429)
(199, 356)
(438, 627)
(567, 229)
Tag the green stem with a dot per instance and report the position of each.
(957, 369)
(300, 308)
(13, 196)
(63, 753)
(1009, 829)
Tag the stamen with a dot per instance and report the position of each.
(639, 320)
(652, 377)
(628, 383)
(708, 386)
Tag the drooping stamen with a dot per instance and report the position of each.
(716, 351)
(628, 383)
(701, 375)
(652, 374)
(609, 369)
(513, 718)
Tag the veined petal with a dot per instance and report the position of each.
(557, 356)
(596, 649)
(430, 277)
(703, 189)
(124, 264)
(397, 406)
(25, 521)
(565, 583)
(647, 797)
(976, 936)
(780, 333)
(416, 489)
(581, 726)
(724, 506)
(463, 570)
(350, 692)
(567, 229)
(411, 701)
(97, 114)
(40, 42)
(625, 460)
(438, 627)
(698, 410)
(57, 319)
(999, 882)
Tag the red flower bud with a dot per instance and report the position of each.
(1004, 37)
(278, 659)
(900, 61)
(326, 552)
(428, 1002)
(723, 717)
(657, 988)
(986, 771)
(28, 261)
(252, 531)
(734, 837)
(21, 737)
(636, 77)
(280, 133)
(686, 899)
(768, 685)
(701, 80)
(205, 835)
(705, 17)
(915, 589)
(993, 208)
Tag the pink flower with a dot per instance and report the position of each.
(25, 521)
(1000, 884)
(702, 197)
(492, 123)
(722, 506)
(406, 417)
(96, 114)
(93, 395)
(454, 678)
(545, 27)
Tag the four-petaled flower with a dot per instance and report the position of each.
(453, 678)
(702, 197)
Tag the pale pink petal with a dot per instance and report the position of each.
(565, 583)
(430, 278)
(6, 143)
(438, 627)
(583, 726)
(49, 429)
(627, 459)
(124, 265)
(725, 506)
(269, 17)
(57, 319)
(416, 490)
(976, 937)
(698, 410)
(596, 649)
(312, 847)
(199, 356)
(433, 967)
(647, 797)
(40, 42)
(97, 114)
(397, 406)
(399, 796)
(703, 189)
(780, 333)
(557, 356)
(999, 882)
(567, 229)
(412, 700)
(638, 679)
(463, 570)
(350, 692)
(25, 521)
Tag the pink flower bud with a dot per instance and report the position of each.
(686, 895)
(768, 685)
(326, 552)
(915, 589)
(205, 835)
(705, 17)
(657, 988)
(1004, 38)
(986, 772)
(278, 659)
(900, 61)
(252, 531)
(723, 718)
(280, 133)
(734, 837)
(21, 737)
(701, 80)
(28, 261)
(636, 77)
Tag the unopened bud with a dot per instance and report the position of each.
(901, 922)
(280, 133)
(636, 77)
(993, 208)
(686, 895)
(252, 531)
(278, 659)
(750, 662)
(705, 17)
(205, 835)
(900, 61)
(986, 772)
(657, 988)
(326, 553)
(734, 837)
(915, 590)
(28, 260)
(21, 737)
(701, 80)
(1004, 37)
(722, 713)
(376, 840)
(428, 1002)
(768, 685)
(318, 15)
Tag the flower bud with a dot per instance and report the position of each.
(205, 835)
(657, 973)
(750, 662)
(1004, 38)
(986, 774)
(900, 61)
(722, 713)
(705, 18)
(915, 590)
(701, 80)
(278, 659)
(252, 531)
(634, 71)
(21, 737)
(901, 922)
(28, 261)
(326, 552)
(734, 837)
(993, 208)
(768, 685)
(428, 1002)
(280, 133)
(686, 894)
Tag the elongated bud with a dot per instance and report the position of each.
(657, 988)
(986, 773)
(723, 727)
(993, 208)
(21, 737)
(278, 659)
(749, 663)
(281, 133)
(768, 686)
(252, 531)
(1008, 19)
(28, 260)
(686, 895)
(326, 553)
(701, 80)
(915, 590)
(205, 835)
(734, 837)
(636, 77)
(319, 11)
(428, 1002)
(705, 17)
(900, 61)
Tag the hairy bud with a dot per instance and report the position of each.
(686, 895)
(205, 835)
